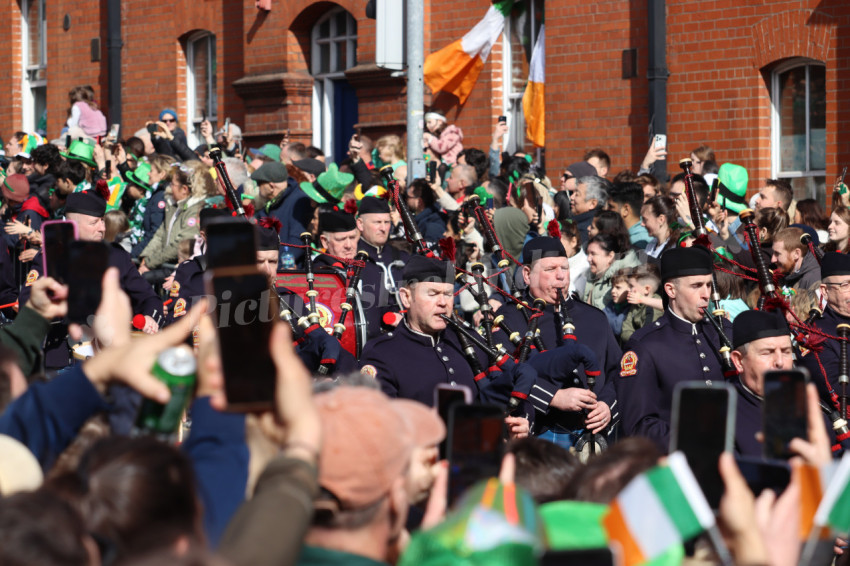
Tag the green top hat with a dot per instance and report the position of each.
(141, 175)
(732, 191)
(329, 187)
(81, 151)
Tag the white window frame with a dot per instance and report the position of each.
(29, 73)
(512, 101)
(193, 113)
(323, 101)
(776, 129)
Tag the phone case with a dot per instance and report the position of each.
(48, 223)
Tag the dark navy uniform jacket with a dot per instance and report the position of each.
(375, 297)
(410, 364)
(187, 287)
(8, 285)
(748, 421)
(592, 330)
(828, 357)
(142, 299)
(657, 357)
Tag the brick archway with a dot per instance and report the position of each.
(795, 33)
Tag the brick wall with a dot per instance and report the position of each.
(588, 104)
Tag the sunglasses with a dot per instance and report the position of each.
(169, 120)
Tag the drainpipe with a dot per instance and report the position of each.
(657, 75)
(113, 46)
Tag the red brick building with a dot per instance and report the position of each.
(761, 81)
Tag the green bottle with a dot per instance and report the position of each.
(176, 368)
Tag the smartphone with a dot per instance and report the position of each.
(114, 131)
(204, 115)
(67, 142)
(226, 130)
(152, 128)
(476, 436)
(231, 242)
(503, 119)
(445, 397)
(703, 427)
(56, 238)
(610, 556)
(784, 411)
(764, 474)
(432, 171)
(660, 141)
(243, 320)
(87, 262)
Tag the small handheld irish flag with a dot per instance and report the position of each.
(657, 510)
(833, 512)
(834, 508)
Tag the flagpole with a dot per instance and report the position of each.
(415, 13)
(719, 546)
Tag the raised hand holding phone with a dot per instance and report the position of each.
(785, 414)
(703, 427)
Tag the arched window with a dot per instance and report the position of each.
(798, 126)
(334, 49)
(34, 51)
(201, 95)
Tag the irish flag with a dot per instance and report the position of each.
(814, 482)
(834, 508)
(657, 510)
(533, 99)
(456, 67)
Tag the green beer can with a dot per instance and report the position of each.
(176, 368)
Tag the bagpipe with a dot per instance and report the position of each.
(806, 240)
(507, 379)
(334, 298)
(803, 332)
(224, 178)
(713, 316)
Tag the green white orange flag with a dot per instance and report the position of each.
(533, 100)
(828, 490)
(814, 482)
(456, 67)
(657, 510)
(834, 508)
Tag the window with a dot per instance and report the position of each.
(518, 41)
(34, 51)
(201, 94)
(798, 127)
(334, 49)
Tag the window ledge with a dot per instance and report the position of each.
(274, 85)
